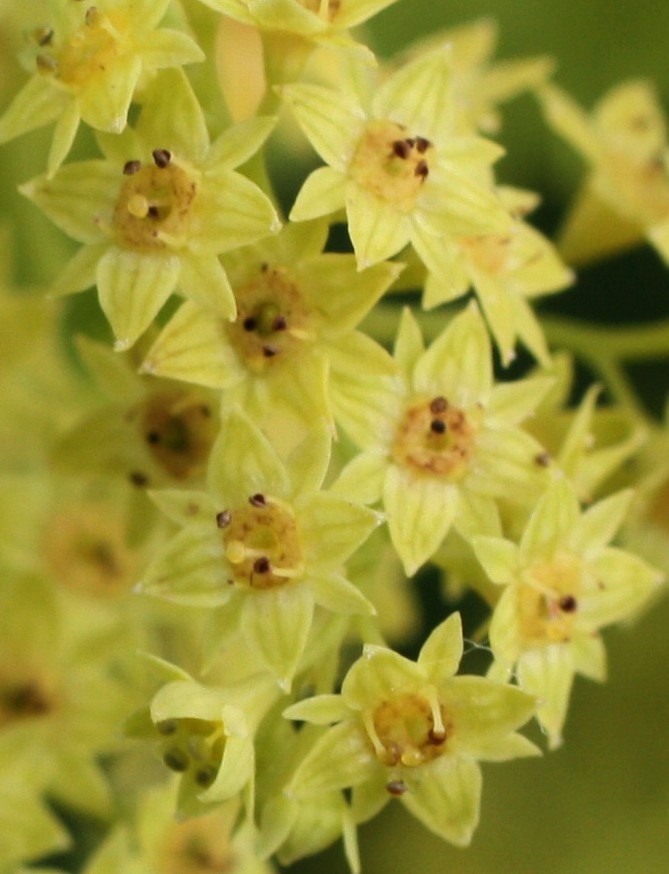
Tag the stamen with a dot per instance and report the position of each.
(269, 351)
(43, 36)
(176, 759)
(258, 500)
(421, 169)
(261, 565)
(567, 603)
(438, 731)
(249, 324)
(396, 787)
(439, 405)
(438, 426)
(401, 149)
(543, 459)
(131, 167)
(422, 145)
(224, 518)
(137, 478)
(46, 64)
(368, 722)
(138, 206)
(161, 157)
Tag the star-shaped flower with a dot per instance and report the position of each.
(88, 61)
(626, 194)
(265, 543)
(563, 582)
(396, 162)
(159, 210)
(414, 731)
(291, 351)
(441, 443)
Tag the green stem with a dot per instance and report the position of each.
(640, 342)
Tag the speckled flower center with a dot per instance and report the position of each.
(197, 846)
(262, 543)
(86, 53)
(273, 320)
(407, 730)
(195, 746)
(153, 207)
(178, 429)
(435, 438)
(548, 600)
(391, 164)
(85, 549)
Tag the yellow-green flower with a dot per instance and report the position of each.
(507, 272)
(413, 731)
(626, 194)
(479, 83)
(265, 543)
(87, 63)
(563, 583)
(157, 212)
(442, 442)
(396, 162)
(292, 352)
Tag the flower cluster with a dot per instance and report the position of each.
(239, 463)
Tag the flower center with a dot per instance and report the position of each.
(23, 699)
(435, 438)
(197, 846)
(390, 164)
(407, 730)
(179, 431)
(489, 253)
(153, 207)
(88, 52)
(85, 550)
(273, 320)
(262, 543)
(193, 745)
(548, 600)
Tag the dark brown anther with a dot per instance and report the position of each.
(264, 267)
(261, 565)
(396, 787)
(153, 437)
(176, 760)
(167, 727)
(567, 604)
(410, 141)
(46, 64)
(421, 169)
(258, 500)
(422, 145)
(224, 518)
(131, 167)
(401, 149)
(543, 459)
(249, 324)
(436, 738)
(269, 351)
(153, 212)
(205, 777)
(43, 36)
(438, 405)
(279, 324)
(438, 426)
(161, 158)
(139, 479)
(91, 16)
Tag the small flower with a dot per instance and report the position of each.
(563, 583)
(158, 211)
(265, 543)
(443, 442)
(291, 351)
(413, 731)
(88, 62)
(507, 271)
(626, 194)
(396, 163)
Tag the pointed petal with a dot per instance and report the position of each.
(599, 524)
(625, 583)
(63, 137)
(333, 528)
(169, 48)
(239, 143)
(376, 229)
(320, 710)
(205, 282)
(105, 99)
(548, 673)
(409, 345)
(323, 192)
(340, 758)
(484, 711)
(441, 653)
(35, 105)
(447, 801)
(244, 463)
(172, 114)
(362, 478)
(80, 272)
(498, 557)
(79, 198)
(420, 511)
(378, 675)
(515, 401)
(338, 595)
(552, 523)
(308, 463)
(275, 624)
(132, 288)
